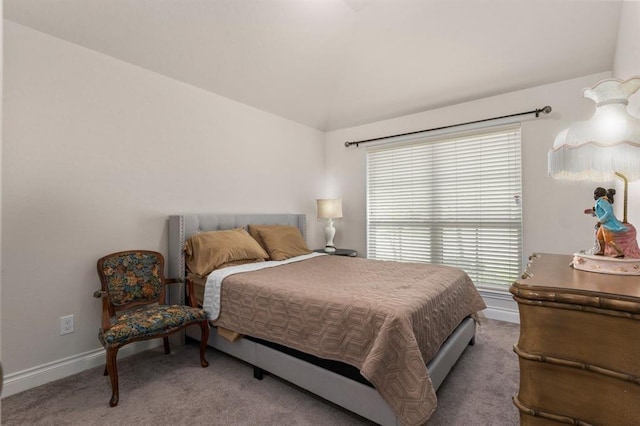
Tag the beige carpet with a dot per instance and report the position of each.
(174, 390)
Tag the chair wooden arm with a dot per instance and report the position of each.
(191, 298)
(106, 317)
(191, 294)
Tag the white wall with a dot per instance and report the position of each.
(626, 65)
(552, 209)
(627, 58)
(97, 154)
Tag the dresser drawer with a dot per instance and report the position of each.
(578, 394)
(603, 339)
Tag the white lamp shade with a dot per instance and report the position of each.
(607, 143)
(329, 208)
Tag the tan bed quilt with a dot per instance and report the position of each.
(386, 318)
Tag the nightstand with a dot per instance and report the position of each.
(340, 252)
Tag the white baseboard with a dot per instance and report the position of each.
(32, 377)
(500, 306)
(502, 315)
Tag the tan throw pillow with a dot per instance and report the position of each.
(208, 251)
(282, 242)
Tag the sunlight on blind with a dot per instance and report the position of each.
(453, 201)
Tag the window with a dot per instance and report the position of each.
(452, 200)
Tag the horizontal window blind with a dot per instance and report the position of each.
(453, 200)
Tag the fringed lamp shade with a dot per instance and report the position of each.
(607, 144)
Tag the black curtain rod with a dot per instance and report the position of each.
(546, 110)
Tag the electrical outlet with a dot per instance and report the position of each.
(66, 324)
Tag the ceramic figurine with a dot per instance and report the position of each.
(613, 238)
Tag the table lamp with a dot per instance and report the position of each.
(329, 208)
(599, 149)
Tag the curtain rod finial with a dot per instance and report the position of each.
(545, 109)
(348, 144)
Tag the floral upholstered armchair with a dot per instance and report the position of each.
(133, 309)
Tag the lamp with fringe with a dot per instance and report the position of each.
(599, 149)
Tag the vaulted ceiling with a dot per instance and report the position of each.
(332, 64)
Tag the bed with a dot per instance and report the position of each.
(373, 365)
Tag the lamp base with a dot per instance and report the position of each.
(329, 233)
(605, 264)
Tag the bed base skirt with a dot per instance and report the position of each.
(347, 393)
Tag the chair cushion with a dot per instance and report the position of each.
(149, 322)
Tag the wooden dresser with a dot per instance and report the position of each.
(579, 345)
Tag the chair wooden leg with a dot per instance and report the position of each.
(204, 339)
(167, 348)
(106, 371)
(112, 368)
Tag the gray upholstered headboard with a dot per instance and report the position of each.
(184, 226)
